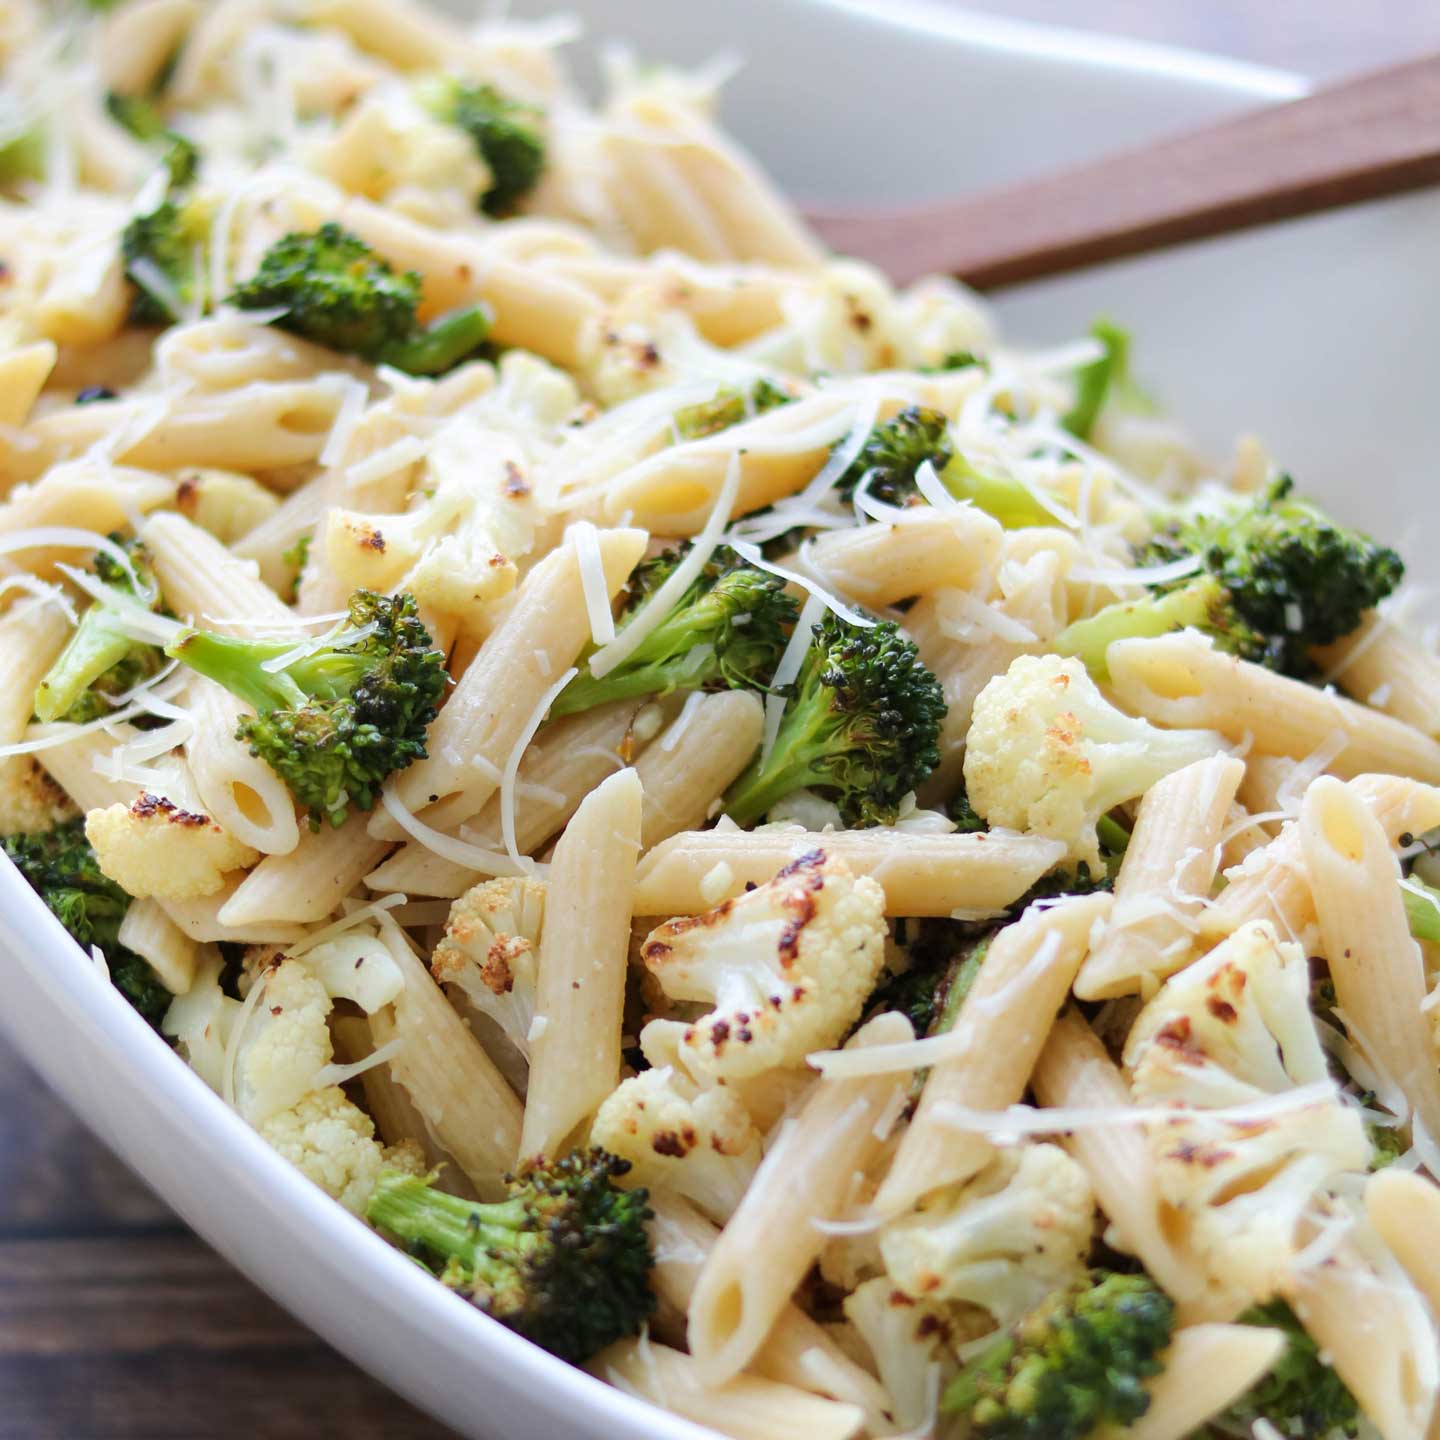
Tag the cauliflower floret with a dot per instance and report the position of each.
(1003, 1241)
(30, 801)
(332, 1142)
(913, 1345)
(787, 967)
(698, 1143)
(491, 944)
(199, 1022)
(285, 1044)
(1233, 1029)
(224, 503)
(1047, 753)
(156, 848)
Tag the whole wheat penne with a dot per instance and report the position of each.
(172, 954)
(921, 874)
(307, 883)
(745, 1406)
(23, 372)
(541, 634)
(687, 769)
(770, 1242)
(1388, 667)
(200, 920)
(470, 1110)
(1206, 1369)
(584, 952)
(1182, 680)
(1164, 880)
(1075, 1071)
(996, 1039)
(918, 553)
(140, 40)
(1377, 968)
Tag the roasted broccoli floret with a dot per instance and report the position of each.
(508, 134)
(334, 724)
(944, 964)
(1278, 578)
(727, 630)
(142, 118)
(339, 293)
(861, 726)
(1301, 1394)
(1076, 1363)
(895, 450)
(564, 1260)
(729, 407)
(102, 661)
(61, 868)
(164, 255)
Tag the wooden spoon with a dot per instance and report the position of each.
(1367, 137)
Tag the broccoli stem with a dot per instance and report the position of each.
(661, 677)
(999, 496)
(1090, 639)
(92, 650)
(22, 157)
(1422, 909)
(442, 345)
(411, 1209)
(797, 763)
(1095, 380)
(236, 664)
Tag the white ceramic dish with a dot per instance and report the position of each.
(1315, 335)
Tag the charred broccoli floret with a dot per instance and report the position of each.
(1301, 1394)
(726, 630)
(102, 661)
(564, 1260)
(1278, 578)
(337, 292)
(335, 723)
(895, 450)
(61, 868)
(508, 134)
(728, 407)
(1076, 1363)
(861, 726)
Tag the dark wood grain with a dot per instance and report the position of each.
(84, 1246)
(1354, 141)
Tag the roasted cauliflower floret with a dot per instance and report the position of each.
(30, 801)
(226, 504)
(1047, 753)
(199, 1022)
(787, 967)
(332, 1142)
(285, 1043)
(697, 1143)
(1235, 1029)
(155, 847)
(1002, 1241)
(491, 944)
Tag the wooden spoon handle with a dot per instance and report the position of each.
(1371, 136)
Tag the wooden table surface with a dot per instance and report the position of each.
(116, 1323)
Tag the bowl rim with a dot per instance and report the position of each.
(338, 1242)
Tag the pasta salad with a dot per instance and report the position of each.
(832, 871)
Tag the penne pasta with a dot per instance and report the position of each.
(584, 949)
(921, 874)
(306, 884)
(172, 954)
(1383, 665)
(1206, 1369)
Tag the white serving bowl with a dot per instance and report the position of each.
(1313, 334)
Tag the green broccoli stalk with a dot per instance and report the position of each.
(22, 156)
(333, 724)
(999, 496)
(727, 630)
(728, 407)
(1422, 908)
(894, 451)
(337, 292)
(1301, 1394)
(861, 726)
(564, 1260)
(1077, 1363)
(61, 868)
(1106, 378)
(164, 255)
(102, 660)
(142, 118)
(297, 557)
(508, 134)
(1279, 578)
